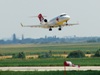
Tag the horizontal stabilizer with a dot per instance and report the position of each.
(36, 16)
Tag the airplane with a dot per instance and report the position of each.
(59, 21)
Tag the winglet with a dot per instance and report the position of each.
(21, 24)
(77, 23)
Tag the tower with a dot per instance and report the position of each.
(14, 38)
(22, 37)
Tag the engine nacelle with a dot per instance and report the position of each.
(45, 20)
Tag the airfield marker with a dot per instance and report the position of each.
(69, 63)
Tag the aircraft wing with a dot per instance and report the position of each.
(48, 26)
(70, 24)
(42, 26)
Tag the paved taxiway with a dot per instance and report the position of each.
(60, 68)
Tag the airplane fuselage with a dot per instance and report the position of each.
(59, 20)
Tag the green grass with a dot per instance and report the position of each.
(50, 62)
(56, 48)
(29, 49)
(50, 73)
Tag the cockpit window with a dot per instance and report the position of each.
(62, 15)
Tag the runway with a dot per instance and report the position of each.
(60, 68)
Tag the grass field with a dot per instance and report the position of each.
(30, 49)
(50, 73)
(50, 62)
(55, 48)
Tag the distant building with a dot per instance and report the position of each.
(22, 37)
(14, 38)
(46, 37)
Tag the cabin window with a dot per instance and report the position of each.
(62, 15)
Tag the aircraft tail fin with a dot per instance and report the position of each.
(41, 18)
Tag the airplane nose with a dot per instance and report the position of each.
(68, 17)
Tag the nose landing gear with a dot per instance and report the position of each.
(59, 28)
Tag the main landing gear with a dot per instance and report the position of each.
(50, 29)
(59, 28)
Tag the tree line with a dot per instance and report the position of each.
(73, 54)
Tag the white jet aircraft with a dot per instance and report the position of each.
(58, 21)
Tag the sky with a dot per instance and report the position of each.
(14, 12)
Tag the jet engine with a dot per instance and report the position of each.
(45, 20)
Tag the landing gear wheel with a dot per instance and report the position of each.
(50, 29)
(59, 29)
(66, 24)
